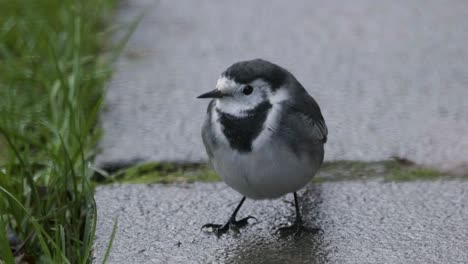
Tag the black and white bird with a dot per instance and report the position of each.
(264, 135)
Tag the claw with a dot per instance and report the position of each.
(244, 221)
(298, 228)
(230, 225)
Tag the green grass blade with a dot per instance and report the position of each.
(39, 229)
(123, 42)
(90, 234)
(29, 175)
(5, 251)
(111, 241)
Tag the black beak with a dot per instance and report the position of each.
(212, 94)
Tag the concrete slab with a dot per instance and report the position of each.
(363, 222)
(391, 76)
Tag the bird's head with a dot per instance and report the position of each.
(247, 84)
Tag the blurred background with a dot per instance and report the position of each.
(390, 76)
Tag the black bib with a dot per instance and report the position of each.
(242, 131)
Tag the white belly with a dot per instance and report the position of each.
(267, 172)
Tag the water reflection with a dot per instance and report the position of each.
(309, 248)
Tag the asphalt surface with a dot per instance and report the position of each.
(362, 222)
(391, 77)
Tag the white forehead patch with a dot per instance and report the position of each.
(225, 84)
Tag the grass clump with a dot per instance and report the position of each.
(51, 88)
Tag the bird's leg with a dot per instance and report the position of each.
(298, 227)
(232, 223)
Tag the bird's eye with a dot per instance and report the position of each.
(247, 90)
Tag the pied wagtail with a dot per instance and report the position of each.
(264, 135)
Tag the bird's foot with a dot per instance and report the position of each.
(232, 224)
(297, 229)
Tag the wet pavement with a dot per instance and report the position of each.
(363, 222)
(390, 76)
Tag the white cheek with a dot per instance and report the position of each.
(218, 131)
(269, 127)
(279, 96)
(272, 122)
(232, 107)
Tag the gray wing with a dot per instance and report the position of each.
(302, 125)
(309, 111)
(303, 114)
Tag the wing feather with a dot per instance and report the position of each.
(305, 113)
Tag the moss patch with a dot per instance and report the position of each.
(414, 174)
(349, 170)
(388, 170)
(155, 172)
